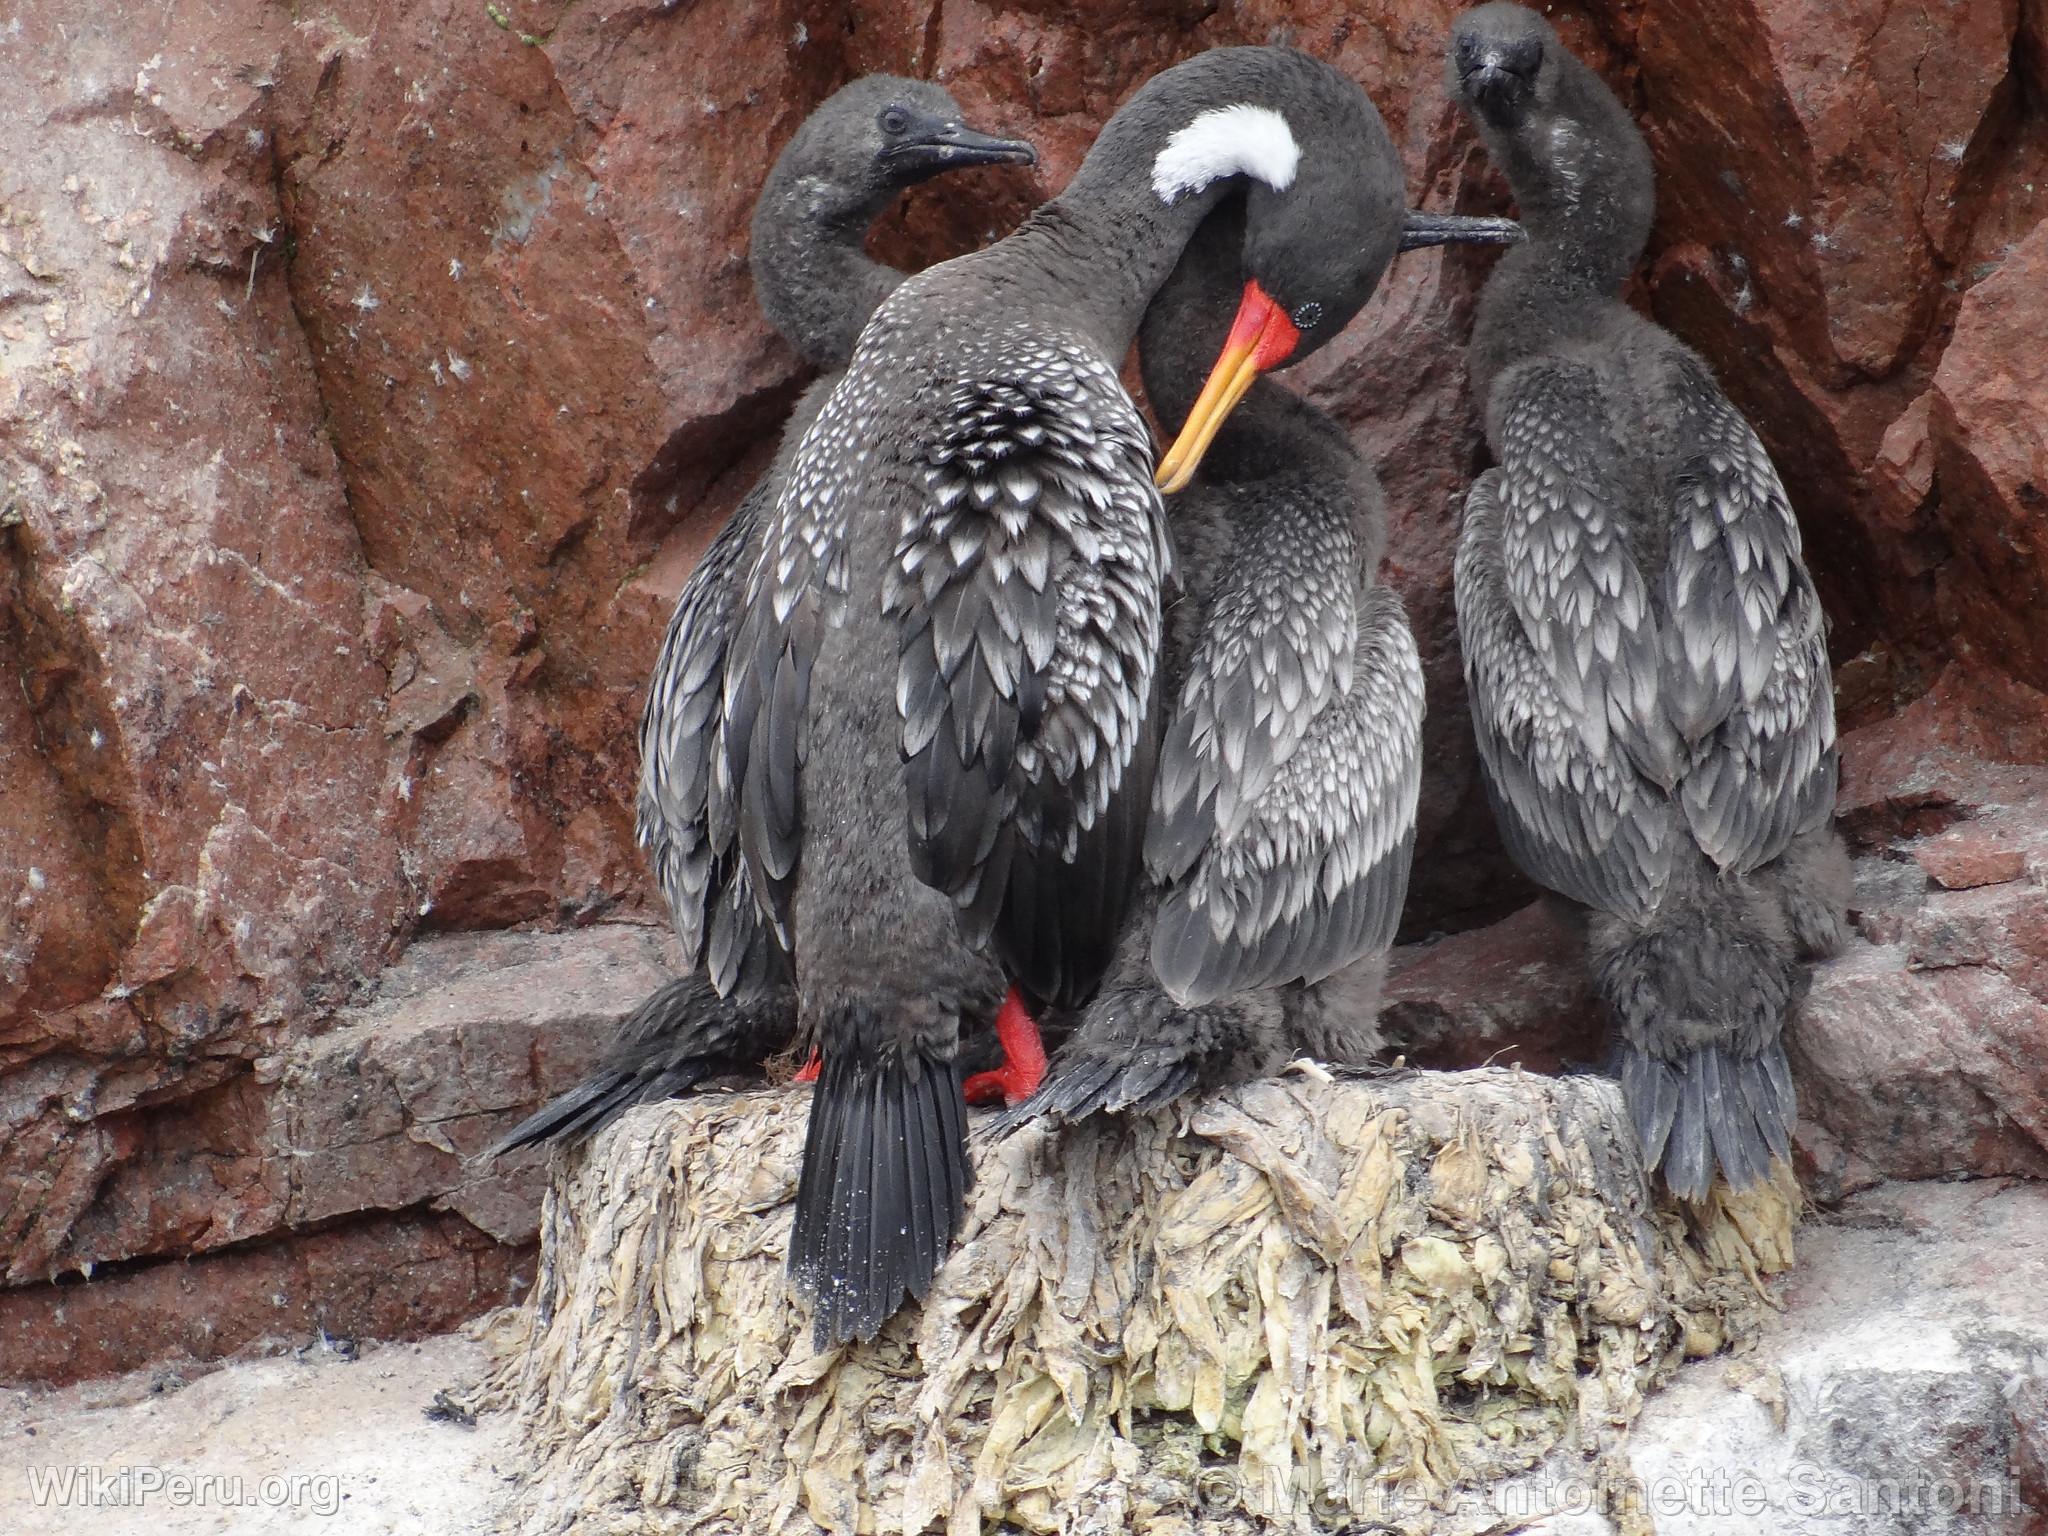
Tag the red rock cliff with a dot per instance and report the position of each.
(369, 380)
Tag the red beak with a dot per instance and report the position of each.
(1262, 337)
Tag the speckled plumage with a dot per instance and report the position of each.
(941, 700)
(818, 286)
(954, 618)
(1027, 589)
(1644, 650)
(1281, 823)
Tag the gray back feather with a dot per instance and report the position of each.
(1308, 871)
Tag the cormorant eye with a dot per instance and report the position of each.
(894, 120)
(1307, 317)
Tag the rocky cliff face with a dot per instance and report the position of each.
(370, 376)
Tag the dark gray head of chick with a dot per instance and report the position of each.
(1576, 161)
(1497, 62)
(878, 135)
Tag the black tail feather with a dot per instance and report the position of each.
(1651, 1088)
(1103, 1081)
(683, 1034)
(882, 1190)
(1710, 1110)
(593, 1104)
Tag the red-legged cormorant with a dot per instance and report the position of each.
(941, 699)
(1645, 654)
(735, 1005)
(1282, 819)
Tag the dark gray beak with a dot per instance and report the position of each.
(954, 147)
(1494, 90)
(1419, 230)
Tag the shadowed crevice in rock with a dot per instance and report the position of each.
(669, 491)
(72, 854)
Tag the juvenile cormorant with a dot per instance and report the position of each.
(1645, 655)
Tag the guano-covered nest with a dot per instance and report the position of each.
(1301, 1304)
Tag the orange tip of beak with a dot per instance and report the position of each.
(1261, 337)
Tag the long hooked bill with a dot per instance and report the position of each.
(1262, 337)
(1421, 229)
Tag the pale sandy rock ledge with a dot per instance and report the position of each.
(321, 1442)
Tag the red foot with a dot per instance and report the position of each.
(808, 1072)
(1023, 1067)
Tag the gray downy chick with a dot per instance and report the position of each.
(1644, 650)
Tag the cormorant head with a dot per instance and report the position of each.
(1573, 156)
(1324, 212)
(880, 134)
(1503, 62)
(1323, 207)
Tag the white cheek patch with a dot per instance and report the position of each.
(1243, 140)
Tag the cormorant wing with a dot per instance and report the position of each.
(1745, 674)
(1570, 579)
(709, 896)
(1583, 822)
(1276, 646)
(798, 585)
(1305, 871)
(1026, 582)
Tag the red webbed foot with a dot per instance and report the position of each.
(1023, 1067)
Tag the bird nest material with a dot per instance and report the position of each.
(1300, 1303)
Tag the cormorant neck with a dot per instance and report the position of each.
(1111, 244)
(1584, 184)
(813, 277)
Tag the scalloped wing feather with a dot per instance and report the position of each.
(1570, 578)
(1027, 585)
(1313, 874)
(1745, 661)
(1278, 643)
(798, 584)
(1581, 821)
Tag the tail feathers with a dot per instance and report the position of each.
(1710, 1108)
(593, 1104)
(1135, 1049)
(1106, 1080)
(883, 1186)
(683, 1034)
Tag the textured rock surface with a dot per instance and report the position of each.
(370, 375)
(334, 1191)
(1897, 1393)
